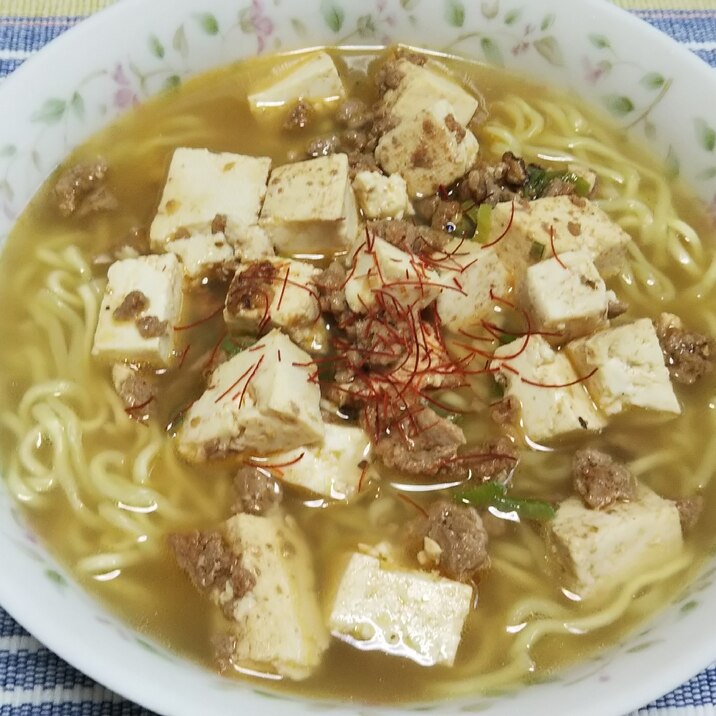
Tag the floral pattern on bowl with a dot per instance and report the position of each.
(107, 67)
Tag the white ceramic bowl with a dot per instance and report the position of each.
(135, 49)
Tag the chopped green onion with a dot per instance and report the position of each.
(581, 187)
(232, 345)
(536, 251)
(483, 222)
(506, 338)
(494, 494)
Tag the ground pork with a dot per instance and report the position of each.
(459, 534)
(690, 509)
(420, 443)
(134, 303)
(256, 491)
(600, 480)
(251, 287)
(331, 290)
(151, 327)
(299, 117)
(212, 565)
(492, 460)
(81, 189)
(688, 355)
(408, 236)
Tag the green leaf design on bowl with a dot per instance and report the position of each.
(548, 47)
(705, 134)
(619, 105)
(333, 15)
(455, 13)
(208, 23)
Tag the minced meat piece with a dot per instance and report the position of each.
(218, 224)
(455, 127)
(505, 411)
(426, 207)
(447, 213)
(256, 491)
(600, 480)
(361, 162)
(354, 114)
(690, 509)
(331, 285)
(210, 562)
(323, 146)
(616, 308)
(251, 288)
(492, 183)
(408, 236)
(81, 189)
(688, 355)
(353, 141)
(151, 327)
(458, 532)
(134, 303)
(299, 116)
(492, 460)
(421, 443)
(137, 389)
(389, 75)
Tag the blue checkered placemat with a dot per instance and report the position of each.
(33, 681)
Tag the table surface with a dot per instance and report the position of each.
(33, 681)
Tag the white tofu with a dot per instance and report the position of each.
(313, 79)
(421, 87)
(201, 255)
(385, 270)
(310, 207)
(631, 372)
(159, 279)
(553, 408)
(333, 468)
(407, 613)
(428, 150)
(250, 243)
(565, 296)
(382, 197)
(278, 623)
(576, 224)
(291, 296)
(481, 274)
(260, 401)
(597, 549)
(201, 185)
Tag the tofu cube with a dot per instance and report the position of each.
(272, 293)
(202, 255)
(333, 468)
(310, 207)
(597, 549)
(574, 222)
(260, 401)
(250, 243)
(277, 624)
(202, 185)
(565, 295)
(481, 274)
(382, 197)
(631, 372)
(141, 331)
(313, 79)
(539, 378)
(422, 86)
(429, 149)
(381, 269)
(403, 612)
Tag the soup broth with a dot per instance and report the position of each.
(103, 491)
